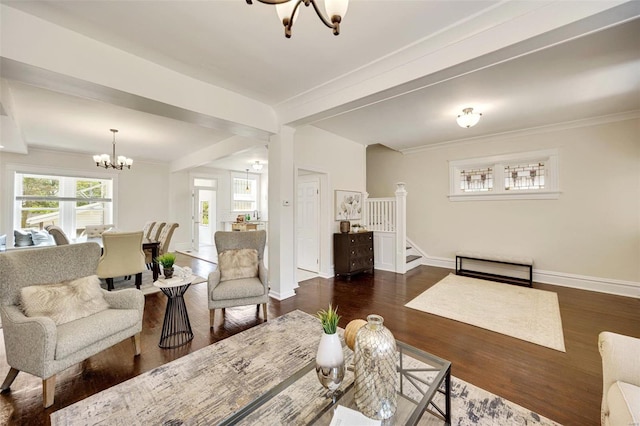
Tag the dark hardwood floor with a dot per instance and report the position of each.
(565, 387)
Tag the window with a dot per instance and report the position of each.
(69, 202)
(528, 175)
(245, 193)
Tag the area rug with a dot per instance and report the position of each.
(521, 312)
(147, 286)
(208, 385)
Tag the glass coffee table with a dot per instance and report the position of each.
(424, 390)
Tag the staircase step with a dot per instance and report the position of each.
(412, 257)
(409, 247)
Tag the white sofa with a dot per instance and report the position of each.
(621, 379)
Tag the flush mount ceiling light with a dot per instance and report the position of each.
(288, 12)
(257, 166)
(119, 162)
(468, 118)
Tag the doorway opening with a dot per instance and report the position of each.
(204, 218)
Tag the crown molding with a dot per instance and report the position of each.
(567, 125)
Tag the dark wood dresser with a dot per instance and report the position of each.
(352, 253)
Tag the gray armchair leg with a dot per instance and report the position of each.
(48, 390)
(212, 317)
(9, 379)
(136, 343)
(264, 311)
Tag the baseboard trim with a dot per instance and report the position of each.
(582, 282)
(282, 296)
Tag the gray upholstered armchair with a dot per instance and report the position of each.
(241, 277)
(39, 345)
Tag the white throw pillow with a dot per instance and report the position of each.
(64, 302)
(236, 264)
(40, 237)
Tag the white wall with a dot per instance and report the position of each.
(344, 163)
(590, 235)
(142, 192)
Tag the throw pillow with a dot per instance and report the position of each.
(40, 237)
(236, 264)
(64, 302)
(22, 238)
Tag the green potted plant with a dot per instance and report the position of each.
(329, 319)
(167, 260)
(329, 358)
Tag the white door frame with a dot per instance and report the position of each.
(314, 264)
(195, 207)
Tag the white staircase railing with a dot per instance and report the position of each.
(386, 217)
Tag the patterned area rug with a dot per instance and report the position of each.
(521, 312)
(210, 384)
(147, 286)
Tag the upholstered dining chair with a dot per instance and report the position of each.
(146, 230)
(164, 239)
(58, 235)
(241, 277)
(154, 233)
(122, 256)
(95, 231)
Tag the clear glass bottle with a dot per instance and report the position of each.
(376, 378)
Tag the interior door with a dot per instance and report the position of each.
(307, 223)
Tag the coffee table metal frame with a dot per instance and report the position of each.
(441, 383)
(176, 327)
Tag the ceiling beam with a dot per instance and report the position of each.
(225, 148)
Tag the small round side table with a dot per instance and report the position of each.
(176, 328)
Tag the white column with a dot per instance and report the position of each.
(282, 271)
(401, 228)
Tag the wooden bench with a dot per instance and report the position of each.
(520, 262)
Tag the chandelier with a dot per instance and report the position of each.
(288, 12)
(103, 160)
(257, 166)
(468, 118)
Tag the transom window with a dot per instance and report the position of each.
(69, 202)
(527, 175)
(476, 180)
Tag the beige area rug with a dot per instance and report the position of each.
(521, 312)
(208, 385)
(147, 286)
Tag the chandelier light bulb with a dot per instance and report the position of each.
(468, 118)
(336, 8)
(288, 11)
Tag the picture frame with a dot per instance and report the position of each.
(348, 205)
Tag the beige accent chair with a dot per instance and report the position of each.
(36, 345)
(621, 379)
(122, 256)
(58, 235)
(243, 291)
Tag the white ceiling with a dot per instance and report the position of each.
(242, 48)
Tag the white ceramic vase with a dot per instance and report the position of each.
(330, 362)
